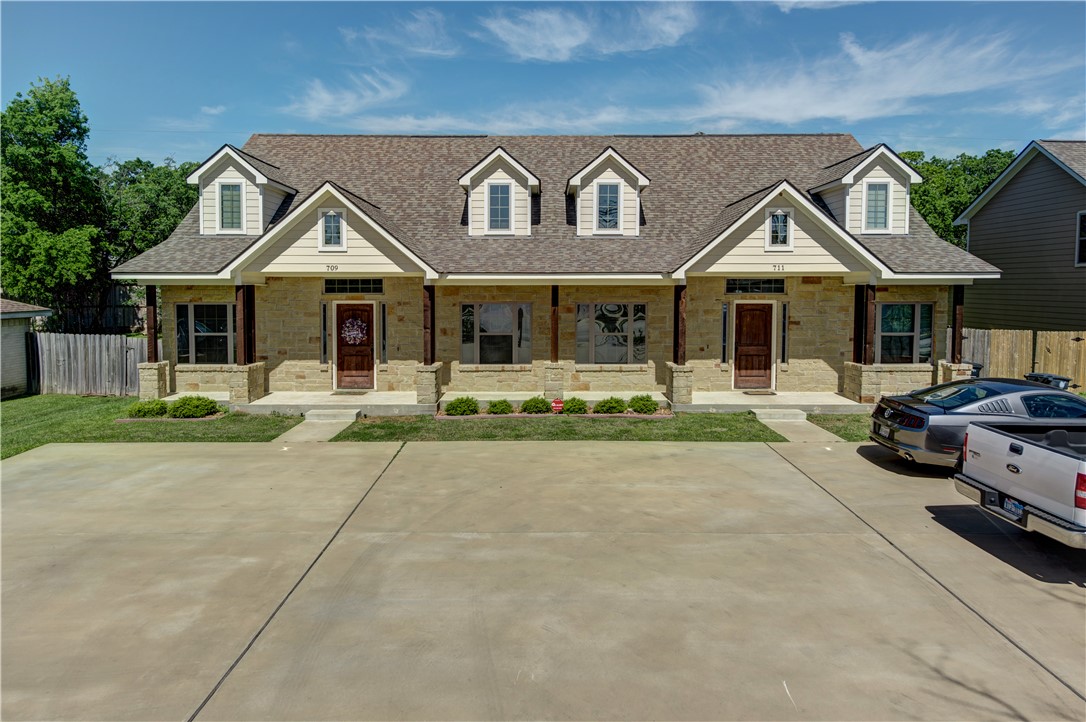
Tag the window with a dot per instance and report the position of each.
(230, 212)
(499, 196)
(332, 236)
(1080, 240)
(754, 285)
(784, 333)
(904, 333)
(496, 333)
(611, 333)
(354, 285)
(205, 333)
(1054, 406)
(724, 333)
(877, 207)
(607, 206)
(384, 333)
(778, 229)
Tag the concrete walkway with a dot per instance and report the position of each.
(792, 424)
(319, 425)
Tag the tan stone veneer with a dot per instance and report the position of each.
(154, 380)
(244, 383)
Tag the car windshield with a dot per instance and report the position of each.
(951, 396)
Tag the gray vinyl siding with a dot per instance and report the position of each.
(835, 201)
(1027, 230)
(13, 348)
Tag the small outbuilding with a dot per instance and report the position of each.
(15, 322)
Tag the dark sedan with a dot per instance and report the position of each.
(928, 425)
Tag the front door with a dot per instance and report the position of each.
(354, 346)
(753, 345)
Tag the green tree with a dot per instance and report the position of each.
(50, 207)
(950, 185)
(144, 202)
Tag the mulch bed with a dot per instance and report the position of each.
(167, 418)
(662, 414)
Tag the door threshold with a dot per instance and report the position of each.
(351, 392)
(760, 392)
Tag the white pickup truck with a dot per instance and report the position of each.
(1032, 475)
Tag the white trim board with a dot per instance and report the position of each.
(499, 152)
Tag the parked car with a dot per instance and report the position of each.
(928, 425)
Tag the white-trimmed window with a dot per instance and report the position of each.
(205, 333)
(611, 333)
(332, 229)
(496, 333)
(1080, 239)
(609, 206)
(903, 334)
(779, 229)
(877, 206)
(499, 207)
(231, 206)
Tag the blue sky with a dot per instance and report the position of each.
(181, 79)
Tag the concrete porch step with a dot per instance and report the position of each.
(780, 414)
(331, 414)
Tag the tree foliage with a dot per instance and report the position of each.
(950, 185)
(144, 202)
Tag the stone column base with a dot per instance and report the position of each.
(154, 380)
(867, 383)
(954, 372)
(554, 374)
(428, 383)
(680, 384)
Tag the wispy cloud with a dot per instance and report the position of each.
(787, 6)
(1053, 112)
(423, 33)
(362, 91)
(213, 109)
(859, 83)
(559, 34)
(202, 120)
(504, 121)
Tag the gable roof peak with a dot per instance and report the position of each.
(609, 153)
(499, 152)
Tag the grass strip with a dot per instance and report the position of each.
(850, 427)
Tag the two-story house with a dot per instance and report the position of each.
(557, 265)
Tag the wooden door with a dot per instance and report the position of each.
(354, 346)
(753, 346)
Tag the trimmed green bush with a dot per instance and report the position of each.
(612, 405)
(501, 406)
(462, 406)
(575, 405)
(535, 405)
(147, 409)
(643, 404)
(192, 407)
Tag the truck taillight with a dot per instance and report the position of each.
(1080, 491)
(965, 447)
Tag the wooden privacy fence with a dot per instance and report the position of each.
(1013, 353)
(67, 363)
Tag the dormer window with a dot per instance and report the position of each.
(230, 211)
(778, 229)
(608, 206)
(331, 229)
(877, 207)
(499, 197)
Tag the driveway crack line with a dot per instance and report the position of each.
(298, 583)
(933, 578)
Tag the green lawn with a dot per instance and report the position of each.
(850, 427)
(35, 420)
(682, 427)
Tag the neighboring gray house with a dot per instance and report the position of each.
(1031, 223)
(15, 322)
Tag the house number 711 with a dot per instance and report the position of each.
(776, 267)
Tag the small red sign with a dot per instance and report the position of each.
(557, 405)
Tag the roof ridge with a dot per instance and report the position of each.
(254, 157)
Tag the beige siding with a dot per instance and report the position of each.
(499, 170)
(899, 202)
(835, 201)
(296, 251)
(1028, 231)
(608, 171)
(226, 170)
(13, 351)
(272, 200)
(814, 251)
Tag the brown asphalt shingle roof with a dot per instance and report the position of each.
(1071, 153)
(409, 185)
(9, 306)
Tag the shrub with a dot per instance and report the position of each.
(535, 405)
(501, 406)
(463, 406)
(147, 409)
(643, 404)
(575, 405)
(192, 407)
(612, 405)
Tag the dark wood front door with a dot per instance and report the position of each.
(354, 346)
(753, 345)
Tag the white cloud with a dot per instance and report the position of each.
(559, 34)
(363, 91)
(423, 33)
(860, 83)
(504, 121)
(212, 109)
(788, 6)
(197, 122)
(1053, 112)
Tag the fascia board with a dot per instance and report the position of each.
(883, 152)
(194, 177)
(609, 152)
(601, 279)
(499, 152)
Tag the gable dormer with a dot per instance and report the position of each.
(607, 194)
(870, 195)
(499, 196)
(239, 193)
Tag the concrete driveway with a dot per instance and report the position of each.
(515, 580)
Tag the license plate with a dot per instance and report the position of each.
(883, 430)
(1013, 507)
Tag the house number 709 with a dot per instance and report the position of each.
(331, 267)
(776, 267)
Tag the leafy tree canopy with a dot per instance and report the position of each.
(950, 185)
(145, 202)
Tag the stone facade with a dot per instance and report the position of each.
(154, 380)
(953, 372)
(428, 383)
(680, 384)
(244, 383)
(867, 383)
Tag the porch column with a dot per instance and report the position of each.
(679, 340)
(245, 323)
(152, 325)
(957, 323)
(554, 324)
(428, 325)
(863, 330)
